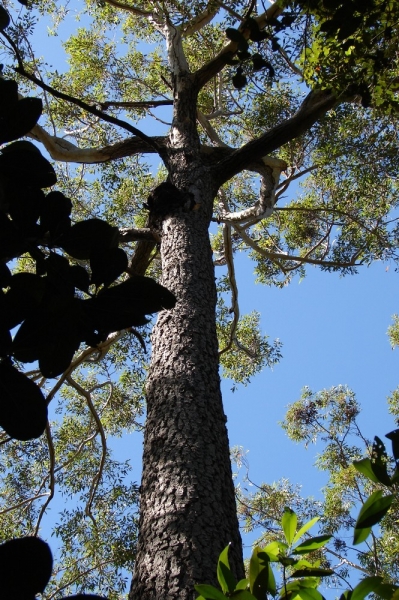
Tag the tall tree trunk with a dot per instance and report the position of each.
(188, 511)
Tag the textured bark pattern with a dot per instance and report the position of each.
(187, 503)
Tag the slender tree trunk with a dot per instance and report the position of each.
(188, 511)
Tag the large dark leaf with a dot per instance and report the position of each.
(59, 280)
(4, 18)
(24, 296)
(12, 242)
(51, 335)
(25, 566)
(8, 91)
(106, 266)
(89, 236)
(126, 304)
(5, 275)
(23, 163)
(24, 207)
(18, 119)
(55, 214)
(23, 408)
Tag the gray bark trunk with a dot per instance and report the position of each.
(188, 511)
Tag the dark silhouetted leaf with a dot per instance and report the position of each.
(394, 437)
(55, 214)
(23, 408)
(79, 277)
(8, 93)
(379, 461)
(22, 161)
(25, 565)
(18, 119)
(4, 18)
(59, 279)
(372, 511)
(5, 275)
(24, 296)
(125, 305)
(88, 236)
(12, 242)
(312, 572)
(239, 80)
(234, 35)
(51, 335)
(258, 62)
(5, 340)
(106, 266)
(24, 207)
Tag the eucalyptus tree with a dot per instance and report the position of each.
(259, 97)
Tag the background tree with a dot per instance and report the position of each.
(259, 131)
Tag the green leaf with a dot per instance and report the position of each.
(364, 467)
(224, 575)
(313, 572)
(312, 544)
(373, 510)
(365, 587)
(242, 584)
(386, 591)
(379, 461)
(259, 573)
(308, 594)
(209, 592)
(360, 535)
(289, 523)
(274, 549)
(272, 581)
(304, 529)
(242, 595)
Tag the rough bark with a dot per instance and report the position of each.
(187, 506)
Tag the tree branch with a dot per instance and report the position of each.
(315, 106)
(132, 9)
(63, 150)
(289, 257)
(144, 104)
(205, 73)
(200, 21)
(87, 107)
(269, 169)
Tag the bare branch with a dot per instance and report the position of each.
(97, 478)
(213, 136)
(51, 450)
(200, 21)
(131, 234)
(228, 253)
(87, 107)
(314, 107)
(144, 104)
(205, 73)
(63, 150)
(282, 256)
(129, 8)
(270, 169)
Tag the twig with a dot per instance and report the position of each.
(97, 478)
(51, 475)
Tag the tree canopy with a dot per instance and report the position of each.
(237, 102)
